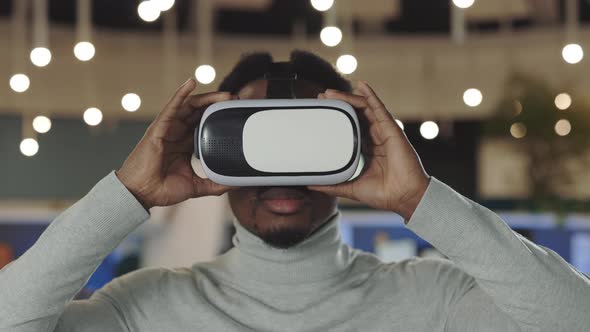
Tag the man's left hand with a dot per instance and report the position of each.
(393, 178)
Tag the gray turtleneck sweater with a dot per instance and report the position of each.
(495, 279)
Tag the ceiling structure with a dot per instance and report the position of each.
(403, 46)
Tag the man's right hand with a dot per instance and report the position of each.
(158, 172)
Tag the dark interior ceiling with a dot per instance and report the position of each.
(416, 16)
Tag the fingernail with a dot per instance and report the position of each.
(187, 81)
(330, 90)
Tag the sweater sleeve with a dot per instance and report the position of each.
(531, 284)
(36, 288)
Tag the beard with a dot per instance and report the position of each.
(282, 238)
(283, 231)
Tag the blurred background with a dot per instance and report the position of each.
(492, 93)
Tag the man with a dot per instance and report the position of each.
(289, 270)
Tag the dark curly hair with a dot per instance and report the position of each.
(307, 65)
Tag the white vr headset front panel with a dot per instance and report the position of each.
(294, 136)
(288, 134)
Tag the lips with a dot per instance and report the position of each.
(283, 200)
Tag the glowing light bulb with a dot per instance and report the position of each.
(29, 147)
(331, 36)
(148, 11)
(92, 116)
(205, 74)
(41, 124)
(518, 130)
(322, 5)
(40, 56)
(19, 82)
(563, 127)
(400, 124)
(572, 53)
(472, 97)
(563, 101)
(131, 102)
(84, 51)
(463, 4)
(429, 130)
(346, 64)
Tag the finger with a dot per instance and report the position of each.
(177, 100)
(381, 112)
(339, 190)
(359, 102)
(197, 103)
(354, 100)
(206, 187)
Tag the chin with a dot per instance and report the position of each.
(283, 231)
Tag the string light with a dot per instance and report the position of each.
(84, 51)
(19, 82)
(92, 116)
(400, 124)
(346, 64)
(463, 4)
(563, 127)
(205, 74)
(40, 56)
(429, 130)
(148, 11)
(518, 130)
(41, 124)
(331, 36)
(572, 53)
(322, 5)
(563, 101)
(131, 102)
(29, 147)
(472, 97)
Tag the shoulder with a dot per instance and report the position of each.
(421, 272)
(145, 282)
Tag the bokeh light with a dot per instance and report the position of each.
(148, 11)
(205, 74)
(331, 36)
(346, 64)
(572, 53)
(563, 127)
(41, 124)
(429, 129)
(92, 116)
(322, 5)
(19, 82)
(518, 130)
(563, 101)
(84, 51)
(131, 102)
(29, 147)
(40, 56)
(463, 3)
(472, 97)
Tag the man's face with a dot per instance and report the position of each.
(280, 216)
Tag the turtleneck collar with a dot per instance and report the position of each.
(319, 257)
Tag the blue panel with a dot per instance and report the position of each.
(557, 240)
(364, 236)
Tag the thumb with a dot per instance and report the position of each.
(340, 190)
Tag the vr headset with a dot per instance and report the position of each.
(281, 140)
